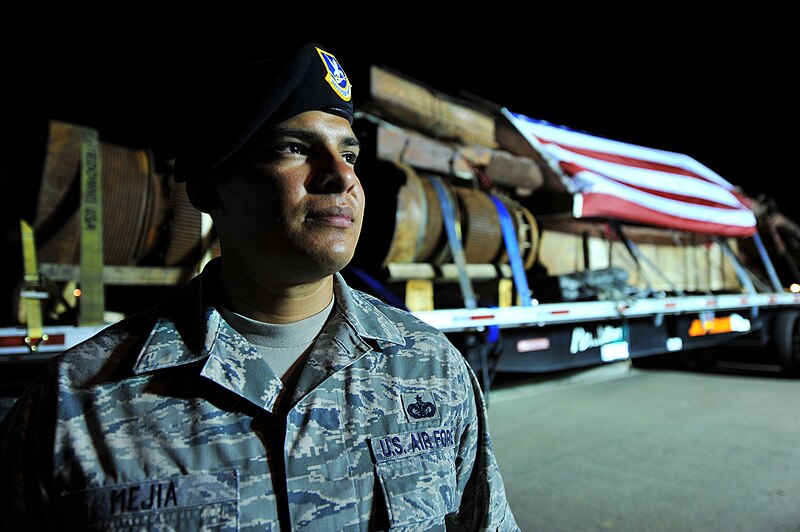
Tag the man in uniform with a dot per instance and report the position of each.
(265, 394)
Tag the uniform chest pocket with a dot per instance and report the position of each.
(204, 501)
(419, 490)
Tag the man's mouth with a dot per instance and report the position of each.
(333, 216)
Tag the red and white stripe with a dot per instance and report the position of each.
(616, 180)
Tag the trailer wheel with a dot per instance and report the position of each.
(786, 340)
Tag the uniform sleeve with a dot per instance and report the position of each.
(484, 505)
(26, 459)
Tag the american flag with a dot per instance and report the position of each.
(616, 180)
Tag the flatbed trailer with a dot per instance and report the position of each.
(544, 337)
(557, 336)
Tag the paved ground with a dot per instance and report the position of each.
(629, 449)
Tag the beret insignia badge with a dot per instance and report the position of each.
(335, 75)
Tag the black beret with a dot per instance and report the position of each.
(236, 104)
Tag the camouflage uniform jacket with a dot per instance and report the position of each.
(167, 420)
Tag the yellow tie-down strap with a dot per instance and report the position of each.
(31, 293)
(92, 301)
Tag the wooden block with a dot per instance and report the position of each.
(505, 293)
(415, 105)
(560, 253)
(419, 294)
(398, 145)
(508, 170)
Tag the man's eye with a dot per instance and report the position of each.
(290, 147)
(350, 157)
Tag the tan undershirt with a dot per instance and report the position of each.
(283, 346)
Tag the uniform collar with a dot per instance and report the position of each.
(191, 330)
(363, 316)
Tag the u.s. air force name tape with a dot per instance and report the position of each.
(412, 443)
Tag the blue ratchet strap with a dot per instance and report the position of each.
(514, 255)
(493, 334)
(762, 252)
(453, 229)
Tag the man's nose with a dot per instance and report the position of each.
(334, 175)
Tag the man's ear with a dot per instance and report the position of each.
(202, 194)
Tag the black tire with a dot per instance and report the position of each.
(786, 340)
(702, 360)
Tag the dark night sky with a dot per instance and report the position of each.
(722, 92)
